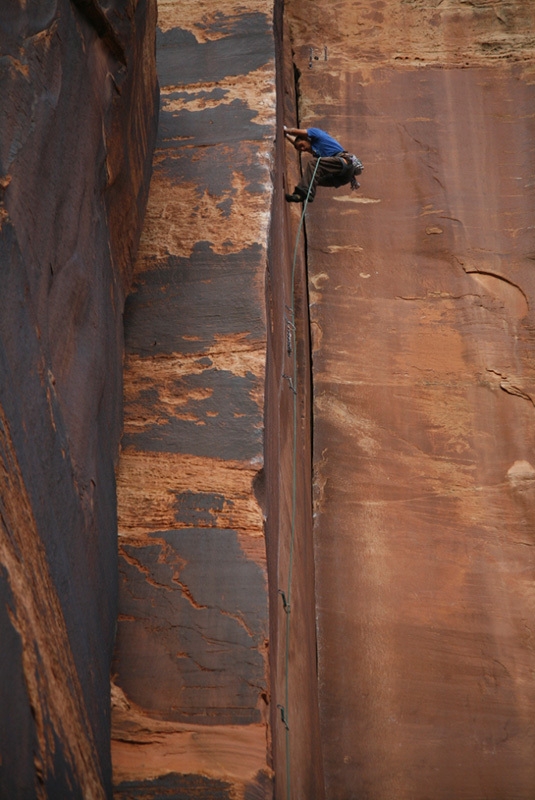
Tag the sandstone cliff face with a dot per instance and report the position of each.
(421, 303)
(214, 478)
(78, 113)
(422, 298)
(191, 675)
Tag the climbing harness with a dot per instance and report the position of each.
(351, 167)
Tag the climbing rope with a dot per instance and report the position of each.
(287, 596)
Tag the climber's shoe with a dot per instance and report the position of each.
(298, 197)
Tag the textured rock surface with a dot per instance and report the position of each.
(78, 113)
(421, 293)
(191, 678)
(422, 296)
(294, 703)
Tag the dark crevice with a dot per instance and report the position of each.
(307, 326)
(308, 407)
(93, 13)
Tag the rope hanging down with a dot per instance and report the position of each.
(286, 596)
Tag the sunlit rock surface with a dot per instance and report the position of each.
(78, 116)
(422, 292)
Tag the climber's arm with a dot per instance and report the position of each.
(295, 131)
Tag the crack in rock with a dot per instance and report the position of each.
(506, 383)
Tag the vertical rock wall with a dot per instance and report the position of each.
(288, 451)
(422, 297)
(191, 678)
(77, 120)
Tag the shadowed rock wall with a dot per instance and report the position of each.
(77, 122)
(191, 678)
(422, 297)
(288, 452)
(216, 464)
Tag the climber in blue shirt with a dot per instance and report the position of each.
(336, 166)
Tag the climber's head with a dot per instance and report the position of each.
(303, 144)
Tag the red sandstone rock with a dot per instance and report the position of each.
(79, 93)
(421, 303)
(191, 662)
(422, 297)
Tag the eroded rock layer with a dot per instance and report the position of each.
(191, 678)
(78, 117)
(422, 296)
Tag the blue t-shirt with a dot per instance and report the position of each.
(322, 143)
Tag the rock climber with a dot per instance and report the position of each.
(336, 166)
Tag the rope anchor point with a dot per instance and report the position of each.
(290, 383)
(285, 603)
(283, 716)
